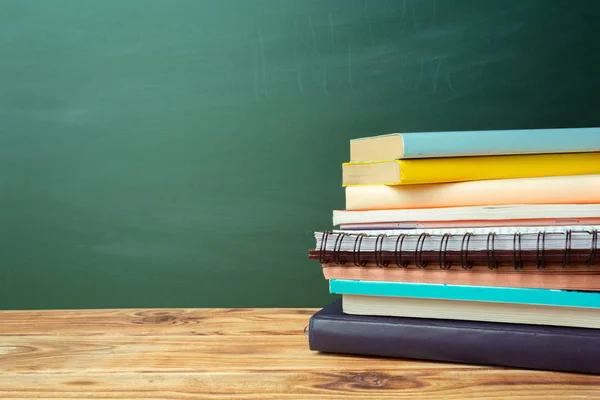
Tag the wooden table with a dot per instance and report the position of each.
(229, 353)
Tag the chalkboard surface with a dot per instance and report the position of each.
(181, 153)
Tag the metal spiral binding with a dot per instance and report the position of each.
(382, 257)
(464, 252)
(444, 263)
(419, 263)
(356, 252)
(540, 262)
(378, 251)
(491, 255)
(567, 255)
(517, 263)
(591, 259)
(337, 248)
(323, 247)
(398, 252)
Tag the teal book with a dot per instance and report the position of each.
(474, 143)
(540, 297)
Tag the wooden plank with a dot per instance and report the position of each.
(201, 321)
(122, 354)
(230, 353)
(338, 384)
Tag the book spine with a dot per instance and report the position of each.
(570, 280)
(462, 169)
(579, 189)
(486, 344)
(479, 143)
(512, 295)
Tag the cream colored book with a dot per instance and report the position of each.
(579, 189)
(524, 212)
(471, 311)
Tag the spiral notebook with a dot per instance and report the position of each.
(519, 248)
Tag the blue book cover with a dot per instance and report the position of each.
(497, 142)
(544, 297)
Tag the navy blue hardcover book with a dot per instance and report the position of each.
(480, 343)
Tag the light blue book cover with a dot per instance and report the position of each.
(499, 142)
(544, 297)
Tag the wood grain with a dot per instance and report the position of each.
(230, 354)
(208, 321)
(172, 354)
(339, 384)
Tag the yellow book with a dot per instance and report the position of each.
(462, 169)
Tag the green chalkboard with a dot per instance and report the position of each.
(181, 153)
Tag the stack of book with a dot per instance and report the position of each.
(474, 247)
